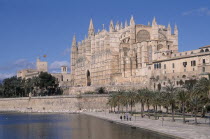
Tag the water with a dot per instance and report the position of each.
(66, 126)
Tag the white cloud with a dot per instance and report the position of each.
(199, 12)
(6, 75)
(67, 51)
(17, 65)
(56, 65)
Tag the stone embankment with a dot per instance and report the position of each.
(173, 129)
(68, 103)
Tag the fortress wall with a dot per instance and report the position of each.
(70, 103)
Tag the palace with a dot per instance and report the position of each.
(135, 54)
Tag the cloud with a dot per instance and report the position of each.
(6, 75)
(56, 65)
(17, 65)
(198, 12)
(10, 69)
(66, 51)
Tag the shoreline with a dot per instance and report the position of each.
(124, 123)
(170, 129)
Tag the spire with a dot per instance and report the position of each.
(111, 26)
(175, 27)
(154, 23)
(169, 29)
(132, 22)
(74, 42)
(91, 28)
(121, 25)
(169, 26)
(117, 26)
(126, 23)
(175, 30)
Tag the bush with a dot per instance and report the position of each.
(101, 90)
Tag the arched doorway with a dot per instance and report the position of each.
(88, 78)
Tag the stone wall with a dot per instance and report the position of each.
(110, 88)
(71, 103)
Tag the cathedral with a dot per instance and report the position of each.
(135, 54)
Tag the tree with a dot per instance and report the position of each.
(182, 97)
(142, 97)
(47, 83)
(131, 97)
(171, 90)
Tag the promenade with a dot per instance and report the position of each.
(176, 129)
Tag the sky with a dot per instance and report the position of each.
(33, 28)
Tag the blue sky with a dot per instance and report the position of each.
(32, 28)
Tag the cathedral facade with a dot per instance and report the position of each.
(135, 54)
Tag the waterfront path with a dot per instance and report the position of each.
(176, 129)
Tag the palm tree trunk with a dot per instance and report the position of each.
(183, 112)
(196, 110)
(155, 112)
(142, 110)
(172, 108)
(148, 111)
(166, 110)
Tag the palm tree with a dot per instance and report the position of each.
(171, 90)
(148, 99)
(112, 101)
(124, 100)
(182, 97)
(199, 96)
(156, 101)
(131, 97)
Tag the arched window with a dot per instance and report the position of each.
(207, 50)
(184, 76)
(201, 50)
(143, 35)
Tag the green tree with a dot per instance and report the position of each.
(171, 96)
(183, 97)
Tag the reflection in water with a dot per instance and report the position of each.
(66, 126)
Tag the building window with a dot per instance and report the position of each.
(203, 69)
(164, 66)
(157, 66)
(184, 70)
(193, 69)
(173, 65)
(207, 50)
(193, 63)
(165, 72)
(173, 71)
(184, 64)
(177, 82)
(204, 61)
